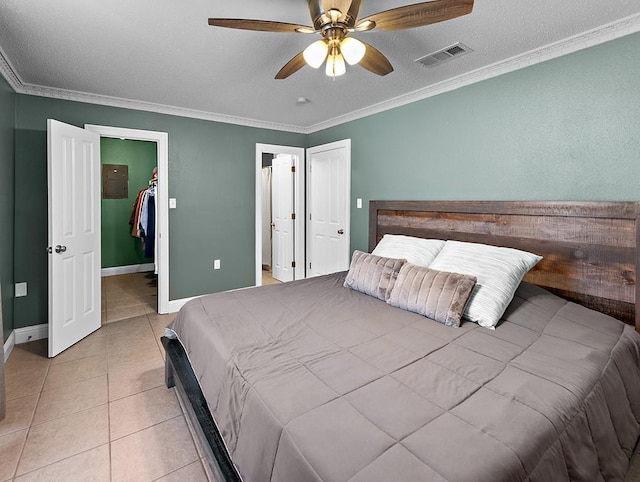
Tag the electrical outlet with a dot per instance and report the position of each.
(21, 289)
(216, 264)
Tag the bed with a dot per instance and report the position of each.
(315, 381)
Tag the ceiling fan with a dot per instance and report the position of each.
(335, 20)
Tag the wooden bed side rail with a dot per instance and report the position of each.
(590, 249)
(179, 374)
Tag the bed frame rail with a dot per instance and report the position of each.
(177, 363)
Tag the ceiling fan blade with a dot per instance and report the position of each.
(375, 62)
(419, 14)
(315, 9)
(342, 5)
(291, 67)
(319, 11)
(259, 25)
(352, 14)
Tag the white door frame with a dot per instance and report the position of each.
(346, 144)
(162, 199)
(299, 204)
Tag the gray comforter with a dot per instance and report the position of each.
(312, 381)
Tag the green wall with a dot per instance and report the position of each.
(211, 174)
(119, 248)
(565, 129)
(7, 120)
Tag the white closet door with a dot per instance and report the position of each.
(73, 161)
(329, 191)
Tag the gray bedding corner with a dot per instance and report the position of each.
(313, 381)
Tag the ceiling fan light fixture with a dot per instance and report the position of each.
(335, 65)
(353, 50)
(315, 53)
(336, 19)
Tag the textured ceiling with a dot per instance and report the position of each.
(163, 51)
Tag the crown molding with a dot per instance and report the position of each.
(9, 73)
(156, 108)
(20, 87)
(602, 34)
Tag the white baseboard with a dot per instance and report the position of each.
(31, 333)
(38, 332)
(134, 268)
(175, 305)
(9, 344)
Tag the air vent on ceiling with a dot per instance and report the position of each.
(444, 55)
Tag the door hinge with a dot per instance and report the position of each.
(293, 168)
(293, 215)
(293, 264)
(309, 265)
(309, 216)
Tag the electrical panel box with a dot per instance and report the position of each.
(115, 181)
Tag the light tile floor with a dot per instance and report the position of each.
(267, 277)
(99, 410)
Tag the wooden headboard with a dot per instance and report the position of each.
(589, 249)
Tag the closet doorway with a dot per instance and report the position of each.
(280, 220)
(161, 238)
(129, 179)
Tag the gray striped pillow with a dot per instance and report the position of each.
(373, 275)
(438, 295)
(499, 272)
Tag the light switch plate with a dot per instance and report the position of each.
(172, 203)
(21, 290)
(359, 203)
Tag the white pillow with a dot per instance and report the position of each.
(499, 272)
(418, 251)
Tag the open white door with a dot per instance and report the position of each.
(73, 162)
(329, 191)
(282, 217)
(299, 223)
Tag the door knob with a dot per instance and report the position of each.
(340, 231)
(60, 249)
(273, 225)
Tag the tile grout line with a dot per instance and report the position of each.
(106, 346)
(181, 415)
(71, 383)
(58, 461)
(145, 428)
(109, 418)
(132, 394)
(176, 470)
(69, 414)
(109, 401)
(39, 394)
(33, 415)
